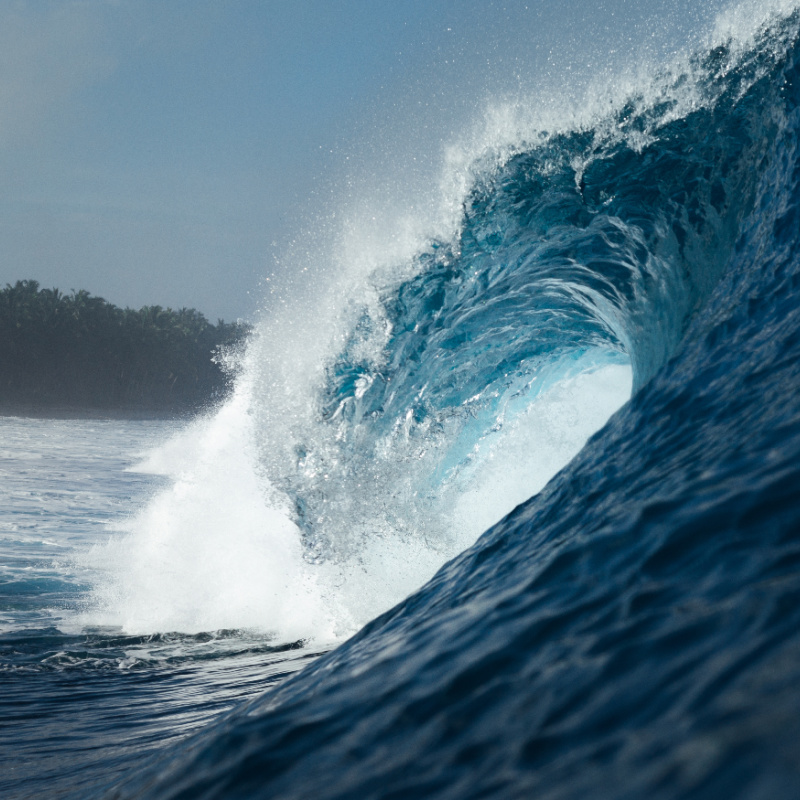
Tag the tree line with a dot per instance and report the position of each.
(79, 351)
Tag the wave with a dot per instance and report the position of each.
(371, 438)
(631, 628)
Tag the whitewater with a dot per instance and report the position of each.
(504, 500)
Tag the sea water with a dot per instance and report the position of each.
(401, 484)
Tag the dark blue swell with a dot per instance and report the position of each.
(633, 630)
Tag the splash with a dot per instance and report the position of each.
(209, 552)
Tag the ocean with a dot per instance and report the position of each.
(510, 511)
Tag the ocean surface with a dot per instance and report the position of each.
(80, 703)
(512, 512)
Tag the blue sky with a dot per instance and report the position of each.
(159, 152)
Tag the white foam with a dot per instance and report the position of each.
(217, 550)
(211, 551)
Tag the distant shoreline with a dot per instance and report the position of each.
(76, 356)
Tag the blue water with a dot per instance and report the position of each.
(631, 630)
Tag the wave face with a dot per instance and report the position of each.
(631, 630)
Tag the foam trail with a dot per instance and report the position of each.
(285, 516)
(292, 517)
(210, 552)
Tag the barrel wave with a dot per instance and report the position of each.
(632, 629)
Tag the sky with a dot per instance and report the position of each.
(162, 152)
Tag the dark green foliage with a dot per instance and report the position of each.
(76, 350)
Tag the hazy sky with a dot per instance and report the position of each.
(156, 151)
